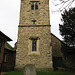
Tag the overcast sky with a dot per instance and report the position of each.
(9, 19)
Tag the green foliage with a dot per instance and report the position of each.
(52, 73)
(44, 69)
(61, 69)
(14, 73)
(67, 28)
(38, 73)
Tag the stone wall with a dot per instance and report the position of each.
(56, 46)
(41, 15)
(41, 60)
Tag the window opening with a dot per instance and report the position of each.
(34, 44)
(34, 4)
(34, 21)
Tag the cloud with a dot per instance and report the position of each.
(9, 18)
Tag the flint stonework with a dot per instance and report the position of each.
(28, 30)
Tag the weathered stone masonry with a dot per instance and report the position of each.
(40, 30)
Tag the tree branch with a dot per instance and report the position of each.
(62, 4)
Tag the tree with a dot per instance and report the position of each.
(67, 31)
(67, 28)
(63, 4)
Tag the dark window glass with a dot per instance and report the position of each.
(0, 46)
(34, 45)
(32, 6)
(34, 21)
(36, 5)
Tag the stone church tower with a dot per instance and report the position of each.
(34, 37)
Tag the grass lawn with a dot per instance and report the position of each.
(39, 73)
(14, 73)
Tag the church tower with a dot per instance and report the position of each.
(34, 37)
